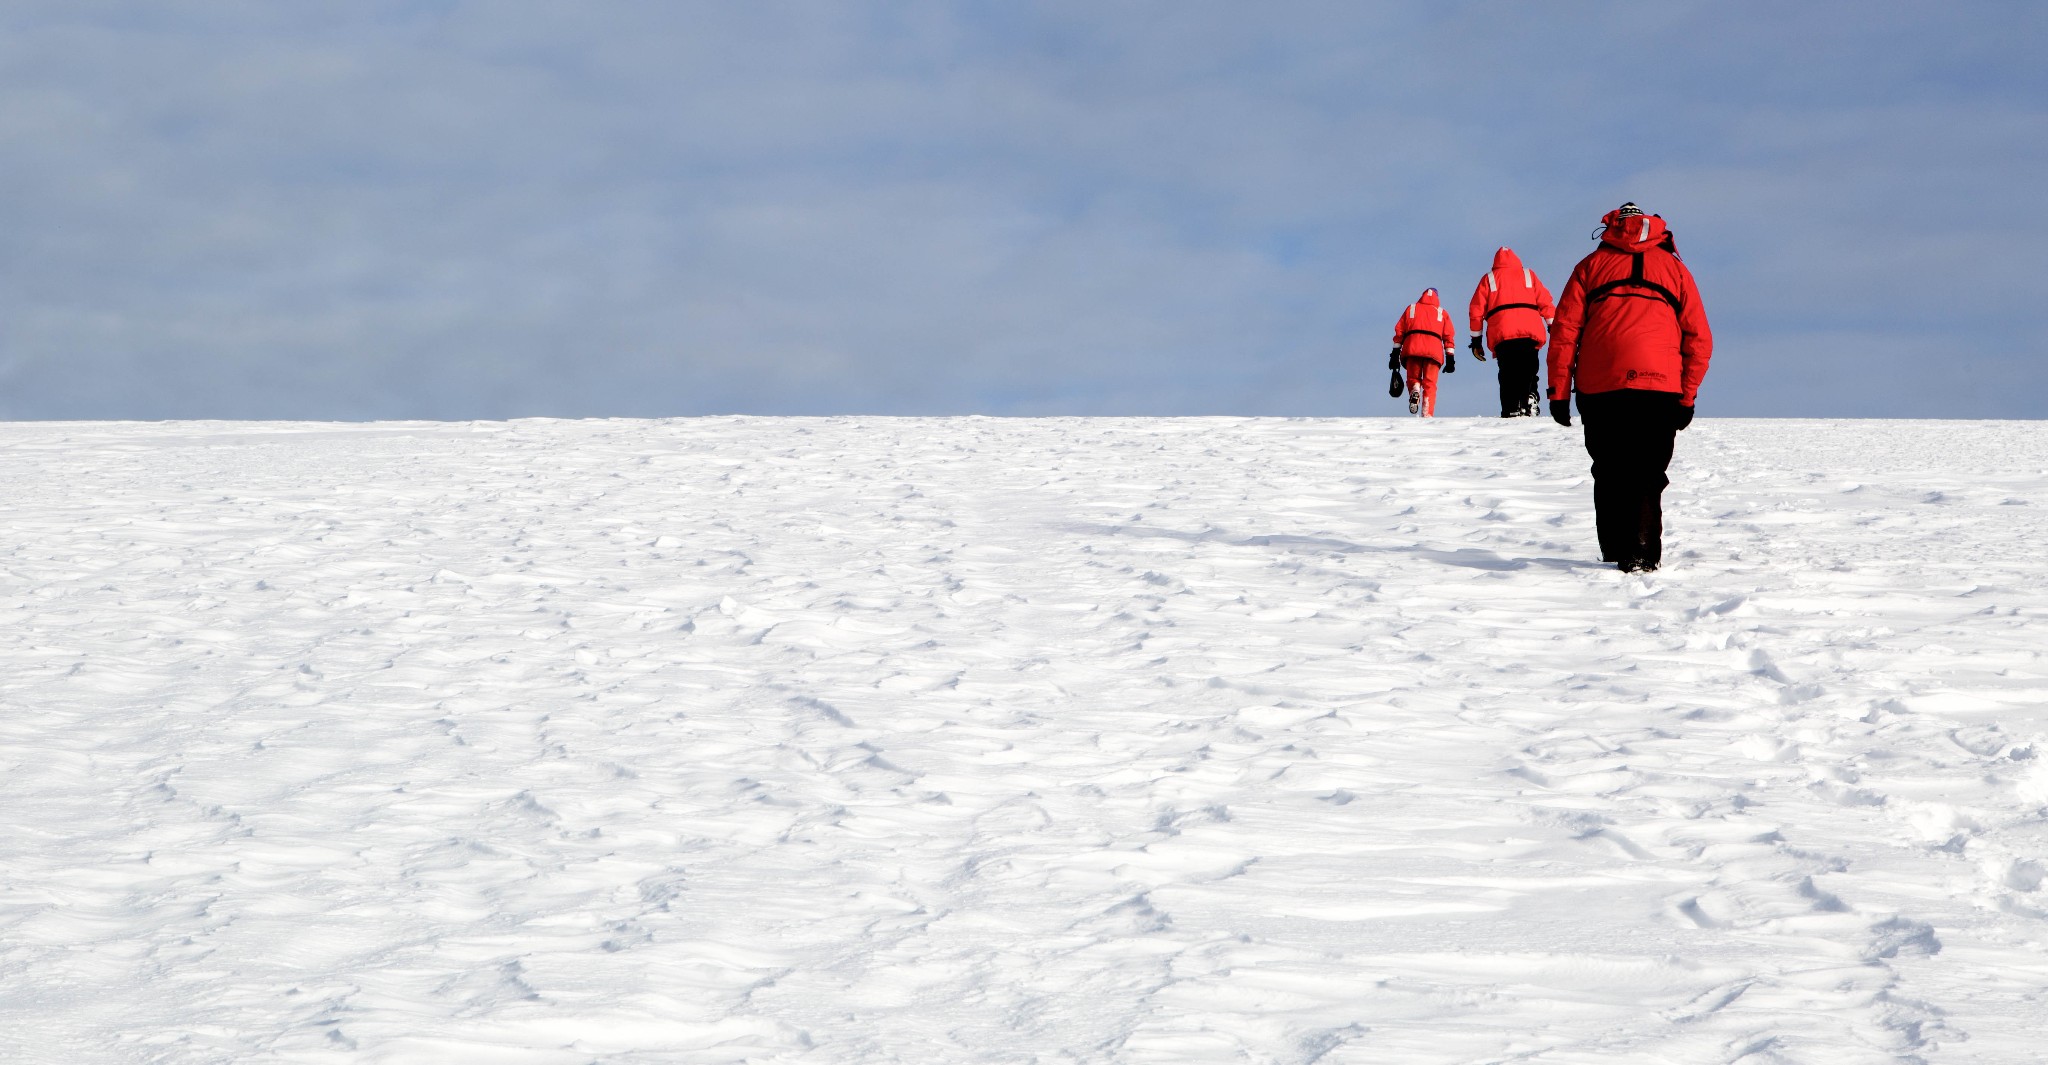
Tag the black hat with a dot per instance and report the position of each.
(1629, 210)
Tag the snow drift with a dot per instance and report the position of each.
(971, 740)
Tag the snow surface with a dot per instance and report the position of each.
(972, 740)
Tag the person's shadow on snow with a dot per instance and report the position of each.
(1478, 558)
(1463, 557)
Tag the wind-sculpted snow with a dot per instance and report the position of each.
(923, 741)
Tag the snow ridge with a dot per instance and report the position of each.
(914, 740)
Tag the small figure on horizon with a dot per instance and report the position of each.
(1511, 311)
(1631, 339)
(1425, 340)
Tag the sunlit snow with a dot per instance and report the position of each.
(970, 740)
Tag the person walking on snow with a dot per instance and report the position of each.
(1511, 311)
(1631, 339)
(1424, 341)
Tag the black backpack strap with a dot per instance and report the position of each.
(1512, 306)
(1423, 332)
(1635, 279)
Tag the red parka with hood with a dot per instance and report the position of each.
(1510, 303)
(1425, 329)
(1630, 317)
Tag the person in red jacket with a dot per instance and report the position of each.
(1425, 339)
(1631, 339)
(1511, 312)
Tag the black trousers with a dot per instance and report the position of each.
(1517, 362)
(1629, 433)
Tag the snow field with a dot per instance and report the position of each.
(1063, 740)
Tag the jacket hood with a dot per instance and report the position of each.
(1506, 259)
(1634, 233)
(1429, 298)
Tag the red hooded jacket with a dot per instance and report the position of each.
(1630, 317)
(1425, 329)
(1510, 302)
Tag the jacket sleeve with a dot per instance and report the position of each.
(1476, 313)
(1695, 340)
(1564, 334)
(1544, 306)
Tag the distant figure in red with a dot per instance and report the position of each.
(1511, 311)
(1631, 339)
(1424, 342)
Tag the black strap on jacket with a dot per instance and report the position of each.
(1427, 333)
(1512, 306)
(1634, 279)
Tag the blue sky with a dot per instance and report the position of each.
(506, 208)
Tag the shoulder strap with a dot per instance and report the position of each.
(1635, 279)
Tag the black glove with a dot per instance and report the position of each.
(1478, 347)
(1394, 358)
(1561, 412)
(1450, 361)
(1681, 418)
